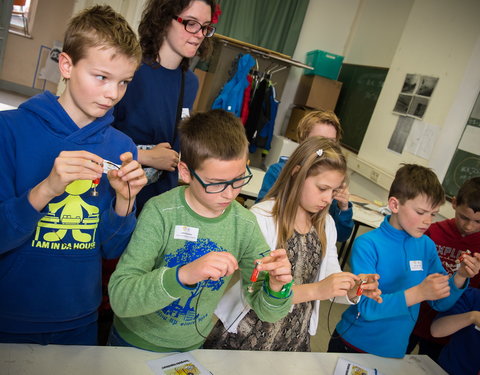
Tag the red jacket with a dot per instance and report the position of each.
(450, 244)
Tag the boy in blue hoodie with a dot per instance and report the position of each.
(409, 268)
(68, 186)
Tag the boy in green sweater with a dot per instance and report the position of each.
(189, 241)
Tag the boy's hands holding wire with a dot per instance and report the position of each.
(469, 264)
(211, 266)
(127, 182)
(279, 268)
(69, 166)
(367, 286)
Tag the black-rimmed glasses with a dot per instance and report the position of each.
(218, 187)
(194, 27)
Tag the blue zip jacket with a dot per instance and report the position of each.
(231, 96)
(402, 262)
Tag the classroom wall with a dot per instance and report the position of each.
(431, 37)
(326, 26)
(438, 40)
(351, 29)
(21, 53)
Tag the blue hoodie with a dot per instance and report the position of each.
(402, 261)
(50, 261)
(231, 96)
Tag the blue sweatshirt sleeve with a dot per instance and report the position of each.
(343, 220)
(115, 232)
(269, 179)
(435, 265)
(18, 218)
(18, 221)
(364, 260)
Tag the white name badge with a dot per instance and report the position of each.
(416, 265)
(185, 113)
(182, 232)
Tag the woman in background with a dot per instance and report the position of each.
(163, 89)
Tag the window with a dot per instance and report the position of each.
(20, 20)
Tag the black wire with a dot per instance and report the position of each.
(197, 314)
(328, 322)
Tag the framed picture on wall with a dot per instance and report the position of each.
(415, 95)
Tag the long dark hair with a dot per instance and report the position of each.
(156, 19)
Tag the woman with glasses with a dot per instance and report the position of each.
(163, 90)
(161, 93)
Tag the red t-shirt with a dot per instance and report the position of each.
(450, 245)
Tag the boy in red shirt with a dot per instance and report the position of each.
(452, 237)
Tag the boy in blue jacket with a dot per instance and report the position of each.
(409, 267)
(68, 186)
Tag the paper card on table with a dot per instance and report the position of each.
(182, 363)
(345, 367)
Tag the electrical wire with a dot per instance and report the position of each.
(328, 322)
(246, 308)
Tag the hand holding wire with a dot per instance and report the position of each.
(127, 182)
(368, 286)
(279, 268)
(68, 166)
(469, 264)
(211, 266)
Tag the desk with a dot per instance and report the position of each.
(361, 216)
(252, 189)
(29, 359)
(4, 107)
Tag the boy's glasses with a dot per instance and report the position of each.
(218, 187)
(194, 27)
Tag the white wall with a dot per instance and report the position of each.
(438, 40)
(326, 27)
(430, 37)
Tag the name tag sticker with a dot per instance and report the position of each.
(416, 265)
(185, 113)
(182, 232)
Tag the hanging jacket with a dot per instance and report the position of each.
(231, 95)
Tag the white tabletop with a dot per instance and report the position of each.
(4, 107)
(366, 212)
(30, 359)
(253, 187)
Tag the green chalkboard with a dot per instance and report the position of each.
(358, 97)
(463, 166)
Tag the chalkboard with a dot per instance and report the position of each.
(465, 164)
(358, 97)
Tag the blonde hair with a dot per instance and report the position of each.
(97, 26)
(305, 161)
(306, 124)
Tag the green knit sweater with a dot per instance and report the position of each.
(153, 310)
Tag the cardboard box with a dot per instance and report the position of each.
(317, 92)
(295, 116)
